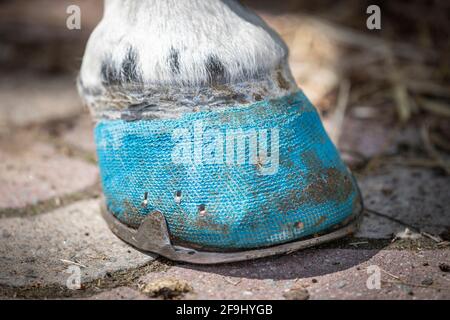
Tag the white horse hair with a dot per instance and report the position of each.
(157, 58)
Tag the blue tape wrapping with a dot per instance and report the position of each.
(244, 177)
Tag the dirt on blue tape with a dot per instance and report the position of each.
(245, 177)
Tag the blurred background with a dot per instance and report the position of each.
(370, 84)
(384, 94)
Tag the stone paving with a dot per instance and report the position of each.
(50, 224)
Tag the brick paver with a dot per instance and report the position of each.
(81, 134)
(324, 273)
(28, 99)
(37, 250)
(32, 171)
(47, 159)
(415, 196)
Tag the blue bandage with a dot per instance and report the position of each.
(244, 177)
